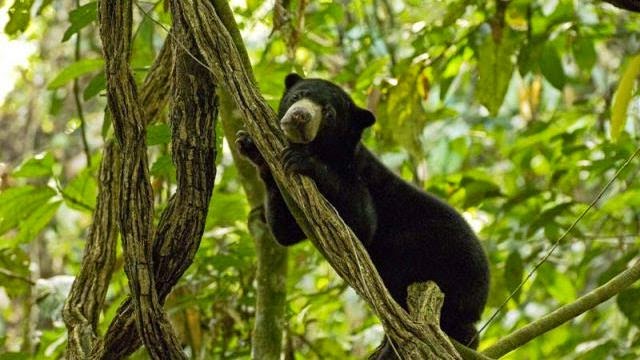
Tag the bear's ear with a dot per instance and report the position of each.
(291, 80)
(364, 117)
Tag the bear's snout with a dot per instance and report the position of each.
(302, 121)
(299, 117)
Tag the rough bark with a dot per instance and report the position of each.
(271, 273)
(182, 223)
(82, 309)
(565, 313)
(86, 298)
(415, 340)
(136, 203)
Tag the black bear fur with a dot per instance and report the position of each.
(410, 235)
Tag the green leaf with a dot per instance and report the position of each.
(158, 134)
(19, 17)
(40, 165)
(81, 192)
(142, 51)
(230, 208)
(80, 18)
(476, 190)
(163, 167)
(97, 84)
(557, 284)
(75, 70)
(15, 262)
(18, 203)
(584, 53)
(628, 301)
(623, 96)
(513, 272)
(37, 221)
(495, 68)
(551, 67)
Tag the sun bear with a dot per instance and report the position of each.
(410, 235)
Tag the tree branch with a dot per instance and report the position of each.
(182, 223)
(565, 313)
(82, 308)
(136, 205)
(86, 298)
(321, 222)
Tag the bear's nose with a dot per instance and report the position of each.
(297, 118)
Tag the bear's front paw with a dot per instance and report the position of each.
(247, 148)
(297, 161)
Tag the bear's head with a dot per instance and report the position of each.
(319, 113)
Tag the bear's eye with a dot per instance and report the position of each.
(328, 112)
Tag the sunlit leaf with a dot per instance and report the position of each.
(40, 165)
(623, 96)
(37, 221)
(19, 17)
(142, 51)
(81, 192)
(75, 70)
(80, 18)
(18, 203)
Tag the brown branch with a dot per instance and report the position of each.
(82, 308)
(136, 203)
(320, 221)
(86, 298)
(182, 223)
(565, 313)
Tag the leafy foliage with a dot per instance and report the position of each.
(504, 109)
